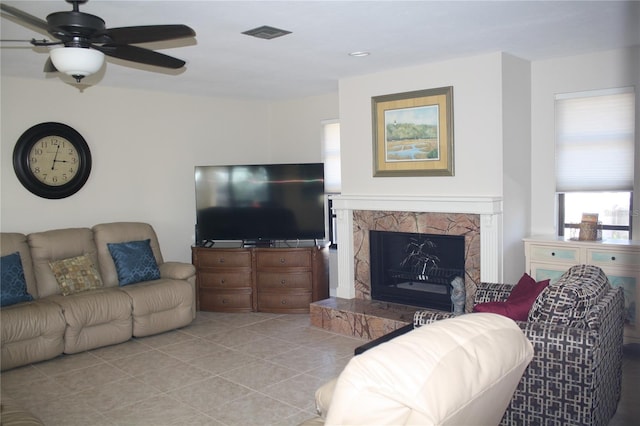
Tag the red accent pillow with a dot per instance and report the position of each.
(519, 302)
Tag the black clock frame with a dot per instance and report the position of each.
(21, 160)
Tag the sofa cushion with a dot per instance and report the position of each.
(76, 274)
(13, 287)
(569, 300)
(120, 232)
(55, 245)
(95, 318)
(31, 332)
(519, 302)
(463, 371)
(160, 305)
(13, 413)
(134, 261)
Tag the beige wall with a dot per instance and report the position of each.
(504, 137)
(144, 147)
(145, 144)
(516, 162)
(477, 107)
(491, 137)
(608, 69)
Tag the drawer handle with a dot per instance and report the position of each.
(553, 253)
(282, 260)
(283, 282)
(613, 258)
(224, 301)
(221, 260)
(222, 281)
(283, 301)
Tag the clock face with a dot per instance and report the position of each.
(54, 160)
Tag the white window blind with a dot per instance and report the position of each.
(595, 140)
(331, 155)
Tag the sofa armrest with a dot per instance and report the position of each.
(588, 362)
(545, 336)
(425, 317)
(492, 292)
(177, 270)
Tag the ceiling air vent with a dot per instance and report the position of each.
(266, 32)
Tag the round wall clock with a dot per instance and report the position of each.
(52, 160)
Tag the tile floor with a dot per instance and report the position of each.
(223, 369)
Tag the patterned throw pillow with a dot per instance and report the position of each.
(76, 274)
(13, 286)
(134, 262)
(569, 300)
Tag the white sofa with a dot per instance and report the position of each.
(459, 371)
(53, 323)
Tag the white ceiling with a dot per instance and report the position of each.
(222, 61)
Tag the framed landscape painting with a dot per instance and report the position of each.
(413, 133)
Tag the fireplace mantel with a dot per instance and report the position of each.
(436, 204)
(488, 208)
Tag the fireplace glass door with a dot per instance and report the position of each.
(415, 269)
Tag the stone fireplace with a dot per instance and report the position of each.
(454, 224)
(477, 219)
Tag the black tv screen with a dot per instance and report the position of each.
(260, 202)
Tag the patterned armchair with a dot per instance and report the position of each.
(576, 328)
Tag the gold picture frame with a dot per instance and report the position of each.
(413, 133)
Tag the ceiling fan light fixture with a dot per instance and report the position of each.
(77, 62)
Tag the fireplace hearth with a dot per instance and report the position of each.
(415, 269)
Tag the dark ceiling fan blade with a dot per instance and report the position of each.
(144, 34)
(24, 16)
(141, 55)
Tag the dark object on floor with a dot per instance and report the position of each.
(395, 333)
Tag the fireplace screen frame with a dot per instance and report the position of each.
(417, 268)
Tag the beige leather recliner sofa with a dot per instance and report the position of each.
(53, 323)
(459, 371)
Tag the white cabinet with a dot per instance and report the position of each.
(550, 257)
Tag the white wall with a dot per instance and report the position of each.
(145, 144)
(144, 147)
(516, 163)
(483, 87)
(296, 131)
(614, 68)
(477, 115)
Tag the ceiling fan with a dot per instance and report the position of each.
(86, 40)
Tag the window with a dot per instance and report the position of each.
(613, 210)
(332, 175)
(595, 134)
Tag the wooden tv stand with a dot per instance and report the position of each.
(262, 279)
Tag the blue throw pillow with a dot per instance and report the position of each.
(13, 285)
(134, 262)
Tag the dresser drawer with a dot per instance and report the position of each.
(232, 302)
(224, 259)
(224, 279)
(283, 259)
(275, 280)
(284, 302)
(554, 254)
(613, 258)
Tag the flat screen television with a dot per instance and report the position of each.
(260, 203)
